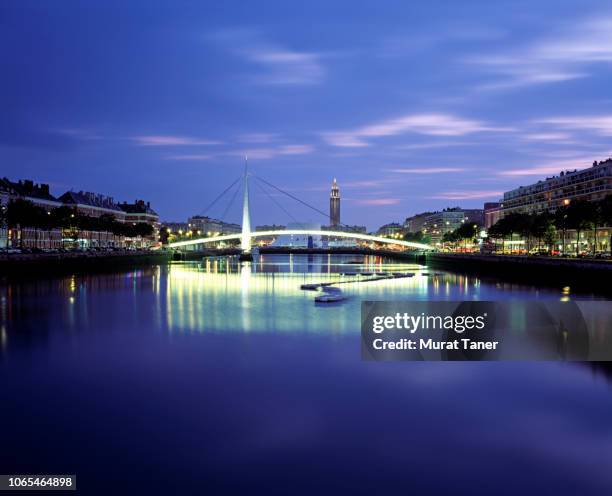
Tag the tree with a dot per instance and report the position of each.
(605, 215)
(581, 215)
(540, 226)
(23, 213)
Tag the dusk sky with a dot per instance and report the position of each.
(413, 106)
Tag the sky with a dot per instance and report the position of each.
(412, 106)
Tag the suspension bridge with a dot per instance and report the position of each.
(246, 235)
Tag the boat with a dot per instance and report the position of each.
(367, 273)
(381, 273)
(310, 287)
(330, 298)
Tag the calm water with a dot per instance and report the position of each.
(208, 379)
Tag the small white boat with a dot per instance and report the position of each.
(329, 298)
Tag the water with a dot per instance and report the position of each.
(204, 379)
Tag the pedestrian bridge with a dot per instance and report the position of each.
(284, 232)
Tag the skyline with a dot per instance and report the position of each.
(412, 109)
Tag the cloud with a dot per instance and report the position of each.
(550, 167)
(195, 157)
(276, 65)
(600, 124)
(563, 57)
(158, 140)
(563, 137)
(271, 152)
(434, 124)
(467, 195)
(426, 170)
(258, 138)
(377, 201)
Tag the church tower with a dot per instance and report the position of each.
(334, 205)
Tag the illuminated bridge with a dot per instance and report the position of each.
(247, 235)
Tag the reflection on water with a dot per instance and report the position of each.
(221, 295)
(214, 378)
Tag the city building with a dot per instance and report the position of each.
(267, 239)
(436, 224)
(492, 213)
(334, 205)
(175, 227)
(27, 189)
(26, 236)
(93, 204)
(210, 227)
(473, 216)
(140, 212)
(439, 223)
(547, 195)
(300, 240)
(343, 228)
(391, 229)
(4, 199)
(415, 223)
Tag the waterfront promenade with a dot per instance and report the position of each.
(553, 270)
(32, 264)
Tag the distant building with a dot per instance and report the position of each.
(26, 236)
(93, 204)
(390, 229)
(415, 223)
(343, 228)
(492, 213)
(175, 227)
(4, 199)
(140, 212)
(551, 193)
(436, 224)
(211, 227)
(300, 240)
(270, 227)
(334, 205)
(266, 240)
(439, 223)
(473, 216)
(27, 189)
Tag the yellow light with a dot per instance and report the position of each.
(168, 230)
(566, 202)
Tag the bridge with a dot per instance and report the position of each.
(246, 236)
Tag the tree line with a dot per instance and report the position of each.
(540, 230)
(579, 215)
(20, 213)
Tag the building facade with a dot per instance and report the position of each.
(208, 226)
(92, 204)
(492, 213)
(334, 205)
(551, 193)
(415, 223)
(439, 223)
(300, 240)
(391, 229)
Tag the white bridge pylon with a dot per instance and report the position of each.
(280, 232)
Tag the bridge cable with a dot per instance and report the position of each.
(203, 212)
(276, 202)
(231, 202)
(297, 199)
